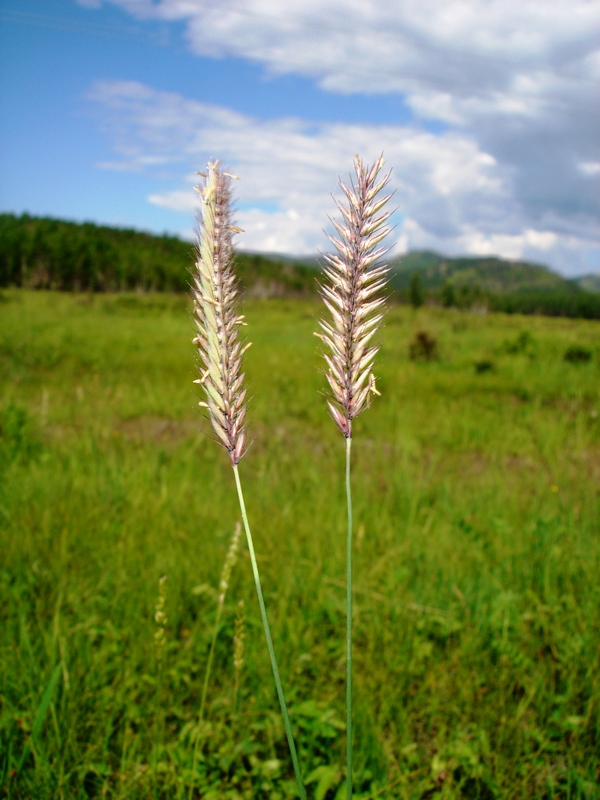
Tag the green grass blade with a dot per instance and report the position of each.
(40, 715)
(263, 612)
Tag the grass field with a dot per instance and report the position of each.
(477, 508)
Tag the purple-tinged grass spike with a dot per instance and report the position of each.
(350, 293)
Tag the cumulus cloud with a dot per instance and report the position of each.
(513, 79)
(589, 168)
(449, 192)
(482, 49)
(293, 165)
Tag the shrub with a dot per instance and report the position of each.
(524, 343)
(485, 365)
(416, 293)
(424, 347)
(448, 295)
(578, 355)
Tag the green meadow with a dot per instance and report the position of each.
(476, 479)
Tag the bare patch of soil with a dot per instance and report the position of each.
(157, 429)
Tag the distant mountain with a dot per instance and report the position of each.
(489, 274)
(311, 261)
(514, 287)
(591, 283)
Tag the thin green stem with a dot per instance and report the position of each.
(158, 728)
(211, 653)
(263, 612)
(349, 627)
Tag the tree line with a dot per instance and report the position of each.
(46, 253)
(569, 300)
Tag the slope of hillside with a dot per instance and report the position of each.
(591, 283)
(488, 273)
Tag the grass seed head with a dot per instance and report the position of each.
(229, 564)
(239, 637)
(354, 279)
(216, 314)
(160, 617)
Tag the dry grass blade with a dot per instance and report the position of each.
(350, 293)
(216, 314)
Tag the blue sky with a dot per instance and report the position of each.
(486, 111)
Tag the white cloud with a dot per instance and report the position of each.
(290, 163)
(515, 79)
(529, 243)
(453, 195)
(505, 245)
(183, 201)
(378, 45)
(589, 168)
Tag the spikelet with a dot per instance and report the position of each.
(216, 316)
(160, 617)
(229, 563)
(350, 294)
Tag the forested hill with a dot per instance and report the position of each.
(590, 283)
(489, 273)
(53, 254)
(495, 284)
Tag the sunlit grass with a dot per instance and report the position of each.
(477, 602)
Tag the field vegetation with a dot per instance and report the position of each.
(477, 600)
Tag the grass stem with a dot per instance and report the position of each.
(158, 727)
(211, 653)
(263, 612)
(349, 626)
